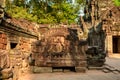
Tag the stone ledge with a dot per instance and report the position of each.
(42, 69)
(80, 69)
(95, 68)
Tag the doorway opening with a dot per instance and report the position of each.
(63, 69)
(116, 46)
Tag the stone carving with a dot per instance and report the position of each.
(5, 70)
(93, 25)
(12, 64)
(60, 47)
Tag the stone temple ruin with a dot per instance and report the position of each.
(101, 22)
(51, 51)
(28, 47)
(16, 37)
(60, 47)
(111, 24)
(92, 23)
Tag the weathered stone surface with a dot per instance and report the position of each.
(103, 14)
(4, 59)
(111, 23)
(80, 69)
(12, 64)
(7, 73)
(3, 41)
(96, 35)
(41, 69)
(60, 47)
(15, 38)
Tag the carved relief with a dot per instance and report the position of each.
(93, 25)
(60, 47)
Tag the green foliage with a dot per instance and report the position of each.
(64, 13)
(20, 12)
(44, 11)
(117, 2)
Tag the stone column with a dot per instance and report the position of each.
(109, 44)
(118, 46)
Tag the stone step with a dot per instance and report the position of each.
(95, 68)
(108, 68)
(57, 70)
(80, 69)
(42, 69)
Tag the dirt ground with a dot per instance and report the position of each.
(90, 75)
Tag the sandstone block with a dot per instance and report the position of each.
(42, 69)
(83, 63)
(4, 36)
(1, 46)
(6, 73)
(80, 69)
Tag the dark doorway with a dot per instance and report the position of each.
(116, 44)
(63, 69)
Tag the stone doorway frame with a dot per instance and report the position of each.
(109, 46)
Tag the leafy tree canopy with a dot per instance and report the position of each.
(44, 11)
(117, 2)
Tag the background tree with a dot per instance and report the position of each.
(45, 11)
(117, 2)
